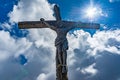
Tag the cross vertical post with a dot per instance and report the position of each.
(61, 28)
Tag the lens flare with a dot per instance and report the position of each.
(91, 12)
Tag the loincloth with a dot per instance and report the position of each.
(62, 43)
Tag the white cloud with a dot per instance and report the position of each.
(39, 58)
(31, 10)
(42, 76)
(90, 69)
(10, 46)
(100, 41)
(86, 51)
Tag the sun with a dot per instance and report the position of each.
(91, 12)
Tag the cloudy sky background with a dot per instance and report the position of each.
(95, 57)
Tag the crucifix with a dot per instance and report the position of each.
(61, 28)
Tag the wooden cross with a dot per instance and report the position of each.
(61, 27)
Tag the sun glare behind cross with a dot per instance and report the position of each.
(91, 12)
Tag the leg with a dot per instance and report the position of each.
(64, 56)
(59, 54)
(58, 63)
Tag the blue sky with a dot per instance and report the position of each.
(28, 54)
(111, 8)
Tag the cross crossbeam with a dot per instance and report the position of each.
(61, 27)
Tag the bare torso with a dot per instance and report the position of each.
(61, 36)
